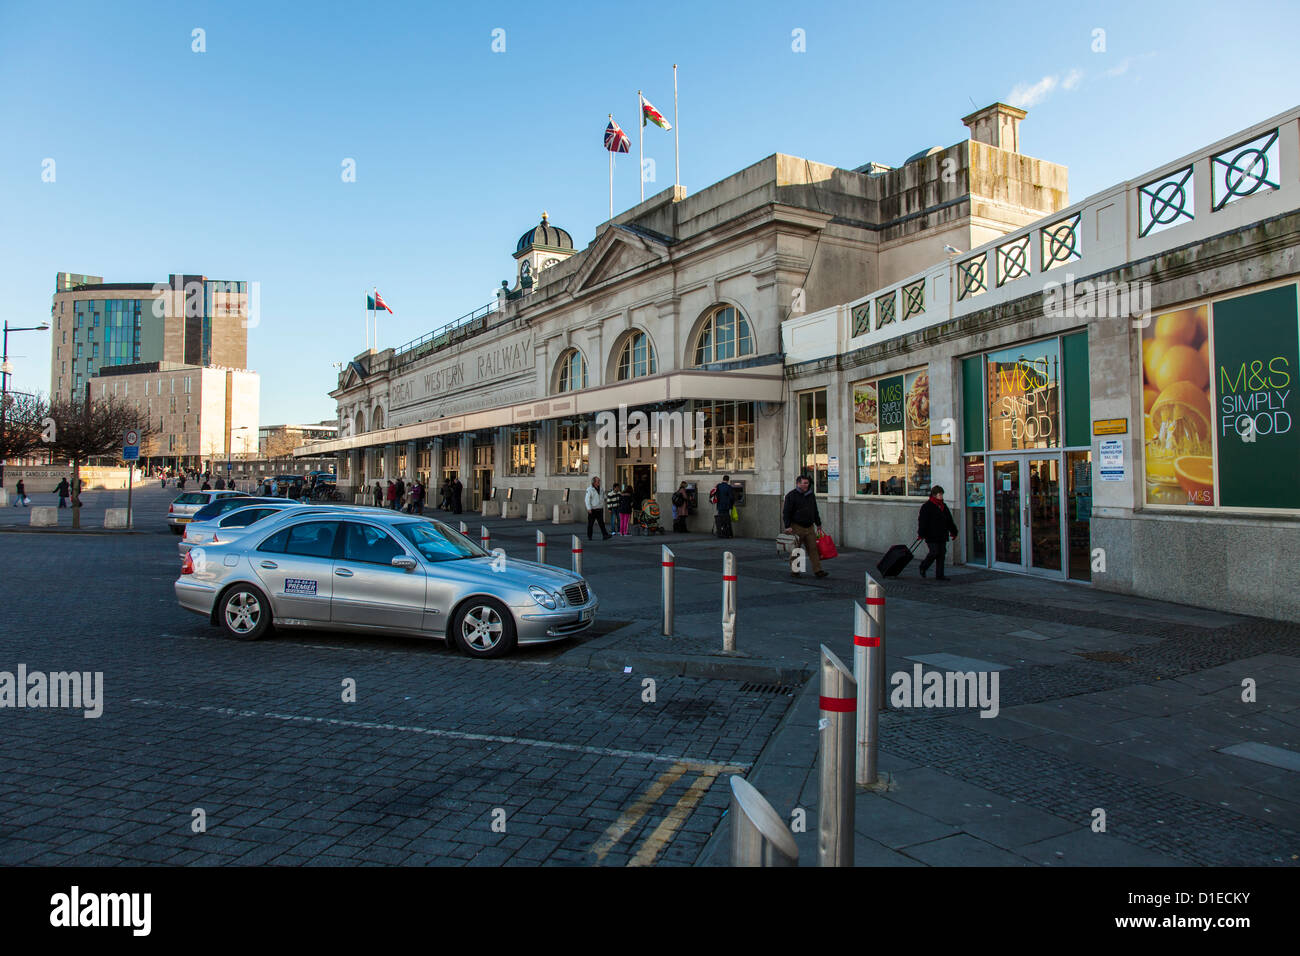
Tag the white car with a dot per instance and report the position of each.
(230, 525)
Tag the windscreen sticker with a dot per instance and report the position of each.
(299, 586)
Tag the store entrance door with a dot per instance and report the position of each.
(482, 486)
(1028, 523)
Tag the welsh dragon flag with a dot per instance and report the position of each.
(648, 112)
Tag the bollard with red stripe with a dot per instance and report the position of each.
(576, 547)
(837, 729)
(541, 547)
(464, 528)
(669, 562)
(868, 661)
(728, 601)
(876, 609)
(484, 538)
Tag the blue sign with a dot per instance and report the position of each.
(130, 452)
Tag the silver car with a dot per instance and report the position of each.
(183, 507)
(380, 571)
(231, 524)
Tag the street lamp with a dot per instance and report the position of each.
(241, 428)
(5, 370)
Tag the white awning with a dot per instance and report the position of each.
(759, 384)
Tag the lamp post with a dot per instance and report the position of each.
(230, 447)
(5, 370)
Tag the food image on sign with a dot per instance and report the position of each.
(864, 407)
(918, 402)
(1178, 423)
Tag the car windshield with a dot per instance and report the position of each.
(437, 542)
(221, 506)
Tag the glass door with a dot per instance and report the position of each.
(1043, 518)
(1007, 520)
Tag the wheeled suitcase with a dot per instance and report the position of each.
(896, 559)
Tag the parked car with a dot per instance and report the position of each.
(373, 571)
(231, 521)
(182, 509)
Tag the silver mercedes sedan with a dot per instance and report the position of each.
(380, 571)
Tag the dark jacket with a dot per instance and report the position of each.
(935, 523)
(726, 497)
(800, 509)
(625, 503)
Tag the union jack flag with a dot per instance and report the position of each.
(616, 140)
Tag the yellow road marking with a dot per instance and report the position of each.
(629, 817)
(678, 815)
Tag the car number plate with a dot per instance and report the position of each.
(584, 615)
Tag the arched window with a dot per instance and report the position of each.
(361, 422)
(572, 374)
(725, 335)
(637, 357)
(377, 419)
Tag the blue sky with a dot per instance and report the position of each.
(228, 162)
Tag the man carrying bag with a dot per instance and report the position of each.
(800, 516)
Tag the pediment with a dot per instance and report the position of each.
(618, 252)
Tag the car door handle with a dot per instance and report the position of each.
(269, 565)
(343, 573)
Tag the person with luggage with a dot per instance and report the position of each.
(625, 510)
(934, 524)
(679, 509)
(595, 504)
(800, 516)
(611, 506)
(21, 497)
(724, 497)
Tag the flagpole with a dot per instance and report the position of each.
(677, 157)
(367, 295)
(640, 143)
(376, 321)
(611, 176)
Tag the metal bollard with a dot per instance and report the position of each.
(576, 548)
(839, 703)
(876, 609)
(728, 601)
(464, 528)
(541, 547)
(759, 837)
(867, 663)
(484, 538)
(669, 562)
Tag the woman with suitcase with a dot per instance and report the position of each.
(933, 526)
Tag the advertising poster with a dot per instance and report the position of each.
(1256, 352)
(864, 408)
(1176, 405)
(916, 404)
(893, 399)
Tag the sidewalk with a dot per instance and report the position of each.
(1106, 702)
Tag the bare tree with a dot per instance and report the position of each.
(92, 429)
(23, 422)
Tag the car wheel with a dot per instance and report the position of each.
(244, 613)
(484, 627)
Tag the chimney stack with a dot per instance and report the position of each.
(997, 125)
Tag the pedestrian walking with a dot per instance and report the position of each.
(800, 516)
(390, 495)
(595, 503)
(444, 495)
(680, 503)
(934, 525)
(457, 494)
(399, 494)
(221, 483)
(378, 495)
(723, 496)
(21, 497)
(62, 489)
(625, 509)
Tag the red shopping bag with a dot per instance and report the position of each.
(826, 547)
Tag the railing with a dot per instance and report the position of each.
(1244, 178)
(465, 327)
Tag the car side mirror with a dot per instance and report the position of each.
(405, 562)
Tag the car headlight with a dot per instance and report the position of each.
(543, 597)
